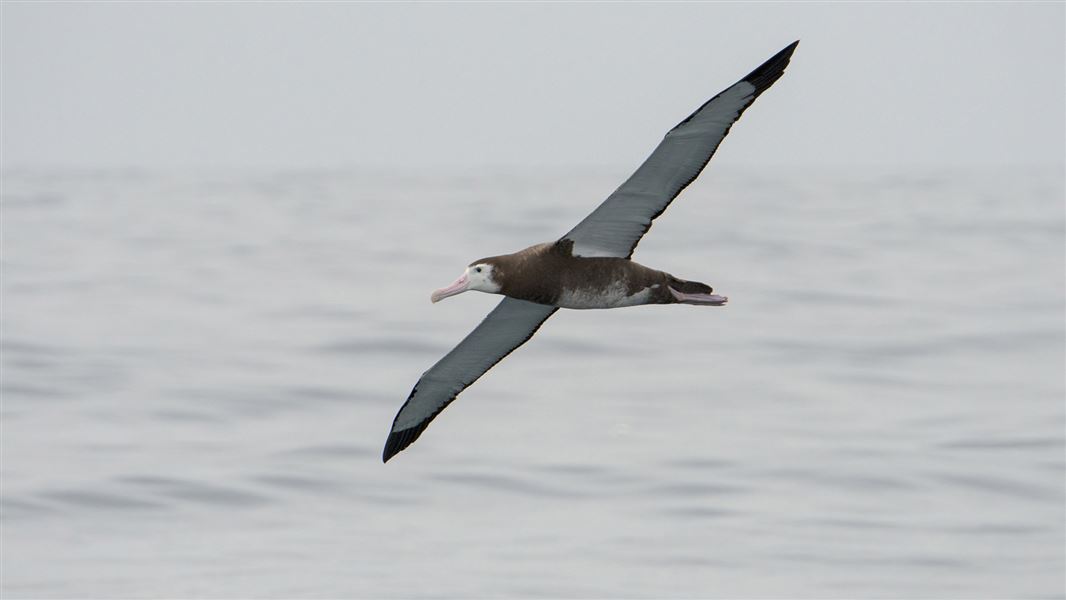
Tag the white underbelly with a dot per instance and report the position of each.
(614, 297)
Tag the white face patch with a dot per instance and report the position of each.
(481, 279)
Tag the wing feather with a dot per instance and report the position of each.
(507, 327)
(616, 226)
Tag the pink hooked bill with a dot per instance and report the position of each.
(457, 287)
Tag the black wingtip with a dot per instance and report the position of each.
(771, 70)
(398, 440)
(762, 78)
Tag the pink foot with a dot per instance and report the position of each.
(703, 299)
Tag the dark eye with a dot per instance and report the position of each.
(478, 269)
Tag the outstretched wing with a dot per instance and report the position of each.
(507, 327)
(616, 226)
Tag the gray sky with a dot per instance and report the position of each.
(423, 85)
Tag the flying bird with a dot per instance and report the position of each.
(590, 266)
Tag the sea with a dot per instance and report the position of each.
(200, 368)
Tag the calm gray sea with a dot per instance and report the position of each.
(200, 369)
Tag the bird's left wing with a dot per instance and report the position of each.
(507, 327)
(615, 227)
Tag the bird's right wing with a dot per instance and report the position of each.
(507, 327)
(615, 227)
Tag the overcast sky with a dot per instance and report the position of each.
(340, 85)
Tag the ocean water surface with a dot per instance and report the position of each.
(199, 371)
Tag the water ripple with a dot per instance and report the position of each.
(100, 500)
(182, 489)
(14, 390)
(839, 479)
(691, 489)
(1000, 486)
(503, 483)
(298, 483)
(993, 443)
(18, 508)
(359, 347)
(336, 451)
(697, 512)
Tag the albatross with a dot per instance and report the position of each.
(589, 267)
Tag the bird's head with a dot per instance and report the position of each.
(481, 275)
